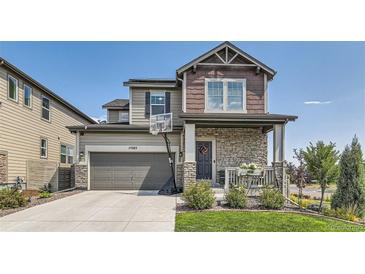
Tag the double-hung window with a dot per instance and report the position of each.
(46, 109)
(13, 88)
(157, 103)
(225, 95)
(28, 96)
(44, 148)
(123, 116)
(67, 154)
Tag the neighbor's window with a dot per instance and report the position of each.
(67, 154)
(28, 96)
(226, 95)
(157, 103)
(123, 116)
(45, 108)
(12, 88)
(44, 148)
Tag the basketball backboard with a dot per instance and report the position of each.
(161, 123)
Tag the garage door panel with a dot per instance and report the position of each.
(124, 171)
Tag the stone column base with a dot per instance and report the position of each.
(281, 177)
(189, 173)
(80, 176)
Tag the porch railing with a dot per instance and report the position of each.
(256, 181)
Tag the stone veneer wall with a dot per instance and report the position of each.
(80, 176)
(3, 167)
(189, 169)
(237, 145)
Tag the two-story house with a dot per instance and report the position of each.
(220, 120)
(35, 144)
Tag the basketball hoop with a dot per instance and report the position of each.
(161, 123)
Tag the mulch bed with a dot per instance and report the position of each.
(34, 200)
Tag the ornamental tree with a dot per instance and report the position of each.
(350, 193)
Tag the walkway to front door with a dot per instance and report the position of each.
(204, 160)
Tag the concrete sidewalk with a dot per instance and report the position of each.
(98, 211)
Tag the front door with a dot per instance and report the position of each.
(204, 160)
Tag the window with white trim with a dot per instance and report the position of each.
(44, 148)
(157, 103)
(123, 116)
(67, 154)
(46, 109)
(28, 91)
(13, 88)
(225, 95)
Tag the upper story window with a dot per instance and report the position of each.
(157, 103)
(123, 116)
(67, 154)
(28, 96)
(13, 88)
(225, 95)
(44, 148)
(46, 109)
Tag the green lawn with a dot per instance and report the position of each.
(234, 221)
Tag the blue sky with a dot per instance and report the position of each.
(321, 82)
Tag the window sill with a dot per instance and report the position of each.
(45, 120)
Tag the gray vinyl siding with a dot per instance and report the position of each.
(21, 128)
(138, 105)
(125, 139)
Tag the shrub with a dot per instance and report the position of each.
(236, 197)
(199, 195)
(272, 199)
(44, 194)
(342, 213)
(11, 199)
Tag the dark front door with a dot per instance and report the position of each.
(204, 160)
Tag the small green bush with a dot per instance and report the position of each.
(272, 199)
(199, 195)
(44, 194)
(236, 197)
(11, 199)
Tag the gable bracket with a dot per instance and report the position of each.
(220, 58)
(230, 61)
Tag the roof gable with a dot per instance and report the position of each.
(227, 54)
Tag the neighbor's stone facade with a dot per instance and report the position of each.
(237, 145)
(3, 167)
(80, 176)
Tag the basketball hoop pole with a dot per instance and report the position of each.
(171, 161)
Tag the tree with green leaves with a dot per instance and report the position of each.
(350, 193)
(321, 161)
(298, 174)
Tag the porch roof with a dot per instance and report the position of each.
(266, 120)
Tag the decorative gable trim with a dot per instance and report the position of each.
(227, 54)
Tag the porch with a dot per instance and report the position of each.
(215, 146)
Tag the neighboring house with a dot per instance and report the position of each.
(34, 141)
(219, 103)
(117, 111)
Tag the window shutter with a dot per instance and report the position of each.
(147, 105)
(167, 102)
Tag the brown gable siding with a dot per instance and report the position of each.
(195, 87)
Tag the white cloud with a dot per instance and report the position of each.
(100, 118)
(317, 102)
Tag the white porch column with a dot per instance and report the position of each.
(279, 143)
(189, 142)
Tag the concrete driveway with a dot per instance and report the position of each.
(98, 211)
